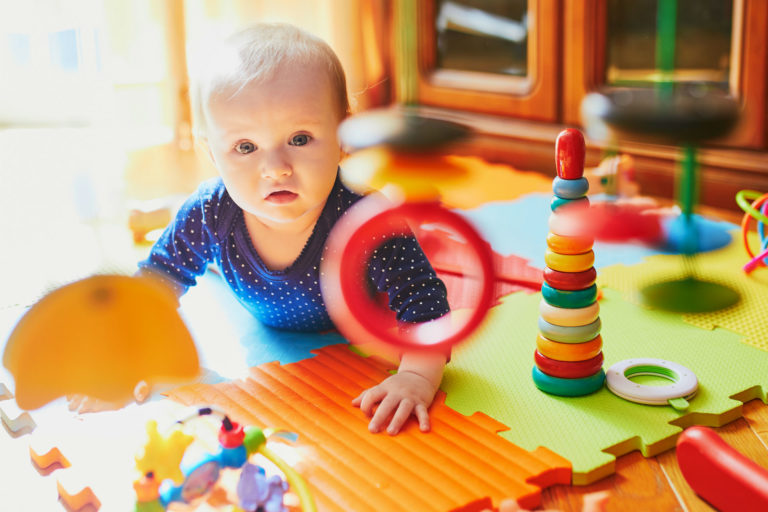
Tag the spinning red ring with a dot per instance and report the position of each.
(363, 228)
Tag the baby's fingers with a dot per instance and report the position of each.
(383, 412)
(422, 414)
(369, 398)
(401, 416)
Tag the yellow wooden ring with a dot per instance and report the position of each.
(569, 244)
(569, 351)
(567, 317)
(569, 262)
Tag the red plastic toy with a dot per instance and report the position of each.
(722, 476)
(356, 236)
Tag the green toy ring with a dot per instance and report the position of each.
(742, 199)
(568, 387)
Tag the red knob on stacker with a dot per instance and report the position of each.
(569, 154)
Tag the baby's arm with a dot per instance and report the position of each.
(408, 392)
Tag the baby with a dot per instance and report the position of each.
(268, 107)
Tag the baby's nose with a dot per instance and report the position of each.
(274, 166)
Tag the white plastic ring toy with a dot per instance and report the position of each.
(683, 387)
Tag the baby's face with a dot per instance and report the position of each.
(275, 145)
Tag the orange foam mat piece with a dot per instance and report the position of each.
(74, 493)
(44, 451)
(461, 461)
(490, 182)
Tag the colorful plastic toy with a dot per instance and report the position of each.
(718, 473)
(398, 156)
(683, 388)
(751, 212)
(171, 473)
(99, 337)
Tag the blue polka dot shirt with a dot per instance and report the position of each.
(210, 229)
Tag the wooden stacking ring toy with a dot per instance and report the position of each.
(569, 298)
(570, 189)
(569, 244)
(365, 226)
(570, 280)
(569, 351)
(569, 262)
(568, 369)
(569, 317)
(557, 202)
(570, 334)
(683, 387)
(568, 387)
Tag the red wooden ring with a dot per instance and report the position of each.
(568, 369)
(362, 229)
(570, 280)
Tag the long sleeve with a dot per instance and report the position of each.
(187, 245)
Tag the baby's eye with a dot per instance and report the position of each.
(245, 147)
(300, 139)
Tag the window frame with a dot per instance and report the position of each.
(532, 97)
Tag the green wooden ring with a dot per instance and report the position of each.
(568, 387)
(571, 299)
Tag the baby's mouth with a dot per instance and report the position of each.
(281, 196)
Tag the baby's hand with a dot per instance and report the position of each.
(398, 396)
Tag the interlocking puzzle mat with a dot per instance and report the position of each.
(749, 317)
(492, 373)
(461, 461)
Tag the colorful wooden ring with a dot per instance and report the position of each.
(568, 387)
(570, 334)
(570, 189)
(569, 244)
(558, 202)
(568, 317)
(564, 223)
(570, 151)
(569, 351)
(569, 262)
(568, 369)
(569, 298)
(570, 280)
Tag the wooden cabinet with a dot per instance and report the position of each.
(573, 47)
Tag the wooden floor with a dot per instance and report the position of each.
(656, 484)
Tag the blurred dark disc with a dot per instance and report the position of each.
(399, 130)
(688, 113)
(689, 295)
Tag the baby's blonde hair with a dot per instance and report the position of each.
(255, 54)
